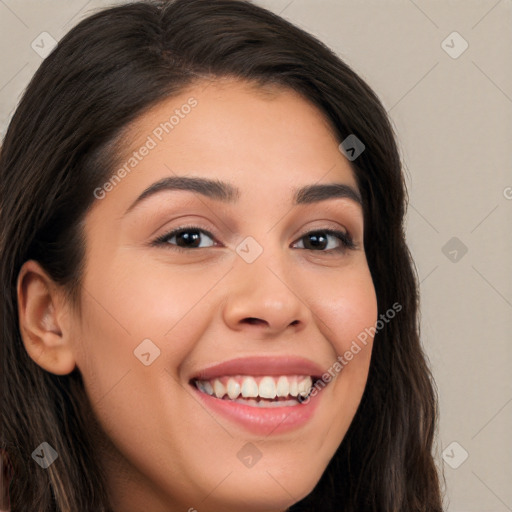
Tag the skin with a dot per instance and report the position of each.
(161, 449)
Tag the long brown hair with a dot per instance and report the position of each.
(61, 144)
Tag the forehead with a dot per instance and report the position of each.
(238, 132)
(230, 104)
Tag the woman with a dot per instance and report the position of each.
(209, 302)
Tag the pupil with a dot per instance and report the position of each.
(185, 235)
(314, 238)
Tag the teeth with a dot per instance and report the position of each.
(218, 388)
(267, 388)
(283, 387)
(201, 385)
(207, 387)
(249, 388)
(304, 386)
(241, 388)
(233, 389)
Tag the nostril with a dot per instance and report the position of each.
(253, 321)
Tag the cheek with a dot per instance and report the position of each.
(128, 302)
(346, 306)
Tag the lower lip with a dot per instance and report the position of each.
(263, 420)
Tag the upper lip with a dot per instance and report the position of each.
(261, 366)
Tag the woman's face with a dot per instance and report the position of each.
(244, 287)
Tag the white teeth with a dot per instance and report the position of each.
(218, 388)
(304, 386)
(294, 390)
(233, 389)
(249, 388)
(283, 387)
(244, 388)
(267, 388)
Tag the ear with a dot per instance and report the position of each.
(44, 320)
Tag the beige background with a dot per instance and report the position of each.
(453, 117)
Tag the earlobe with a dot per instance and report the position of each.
(43, 320)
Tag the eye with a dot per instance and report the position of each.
(185, 237)
(318, 240)
(189, 237)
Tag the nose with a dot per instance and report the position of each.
(261, 297)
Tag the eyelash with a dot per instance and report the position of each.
(347, 243)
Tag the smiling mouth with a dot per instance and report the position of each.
(259, 391)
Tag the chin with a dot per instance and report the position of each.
(261, 491)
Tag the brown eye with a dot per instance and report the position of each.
(319, 241)
(185, 238)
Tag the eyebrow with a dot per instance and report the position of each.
(228, 193)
